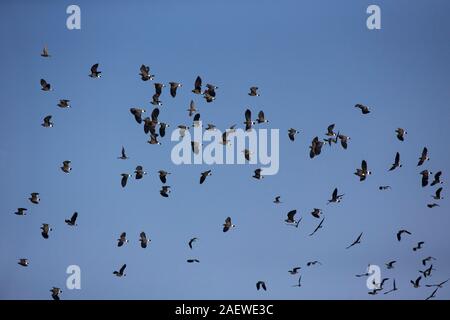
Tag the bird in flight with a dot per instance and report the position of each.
(173, 88)
(401, 134)
(396, 163)
(163, 175)
(192, 261)
(299, 283)
(165, 190)
(64, 103)
(228, 225)
(261, 284)
(394, 288)
(364, 109)
(427, 259)
(316, 213)
(55, 293)
(357, 241)
(416, 283)
(424, 157)
(123, 155)
(425, 175)
(94, 72)
(120, 273)
(261, 118)
(248, 120)
(439, 285)
(23, 262)
(384, 187)
(291, 134)
(437, 179)
(335, 197)
(313, 263)
(21, 211)
(258, 174)
(401, 232)
(319, 226)
(66, 168)
(344, 140)
(277, 200)
(145, 73)
(122, 239)
(45, 86)
(45, 53)
(433, 294)
(294, 270)
(432, 205)
(419, 246)
(143, 239)
(139, 172)
(124, 180)
(47, 123)
(390, 264)
(253, 92)
(315, 147)
(45, 230)
(72, 221)
(204, 175)
(363, 172)
(191, 242)
(290, 217)
(35, 198)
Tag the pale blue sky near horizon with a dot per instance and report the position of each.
(312, 61)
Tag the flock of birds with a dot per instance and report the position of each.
(155, 129)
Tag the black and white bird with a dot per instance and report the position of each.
(335, 197)
(139, 173)
(35, 198)
(247, 154)
(330, 132)
(155, 100)
(319, 226)
(173, 88)
(294, 270)
(253, 92)
(196, 121)
(228, 225)
(143, 240)
(437, 179)
(416, 283)
(191, 242)
(45, 86)
(153, 139)
(248, 120)
(315, 147)
(261, 118)
(401, 134)
(94, 72)
(163, 175)
(66, 168)
(344, 140)
(55, 293)
(364, 109)
(124, 179)
(123, 155)
(210, 91)
(401, 232)
(120, 273)
(46, 122)
(419, 246)
(137, 113)
(291, 134)
(363, 172)
(261, 284)
(45, 230)
(122, 239)
(357, 241)
(291, 217)
(164, 192)
(64, 103)
(44, 52)
(316, 213)
(203, 176)
(145, 73)
(21, 211)
(396, 163)
(23, 262)
(73, 220)
(258, 174)
(162, 129)
(390, 264)
(425, 176)
(197, 86)
(424, 157)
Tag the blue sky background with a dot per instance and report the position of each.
(312, 60)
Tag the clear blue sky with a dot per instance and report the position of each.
(312, 60)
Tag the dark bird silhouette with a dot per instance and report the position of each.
(316, 213)
(123, 155)
(299, 283)
(145, 73)
(173, 88)
(94, 72)
(124, 180)
(253, 92)
(424, 157)
(335, 197)
(45, 86)
(122, 239)
(424, 261)
(363, 172)
(258, 174)
(319, 226)
(439, 285)
(425, 175)
(191, 242)
(120, 273)
(21, 211)
(357, 241)
(66, 166)
(45, 53)
(35, 198)
(165, 190)
(192, 109)
(390, 264)
(261, 284)
(137, 113)
(193, 260)
(433, 294)
(204, 175)
(248, 120)
(277, 199)
(197, 86)
(419, 246)
(315, 147)
(163, 175)
(23, 262)
(437, 179)
(364, 109)
(401, 134)
(143, 239)
(330, 132)
(72, 221)
(55, 293)
(384, 187)
(228, 225)
(313, 263)
(291, 133)
(261, 118)
(401, 232)
(139, 172)
(45, 230)
(432, 205)
(416, 282)
(47, 123)
(290, 217)
(344, 140)
(294, 270)
(396, 163)
(64, 103)
(393, 289)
